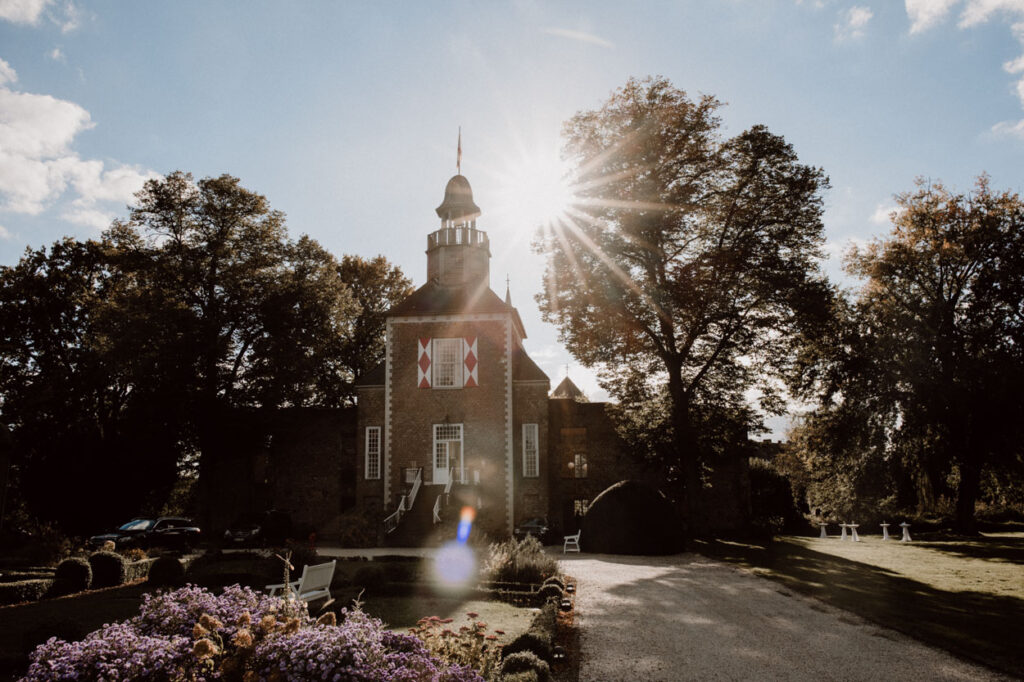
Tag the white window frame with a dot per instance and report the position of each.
(531, 467)
(454, 347)
(460, 467)
(372, 445)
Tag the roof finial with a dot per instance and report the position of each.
(567, 370)
(508, 291)
(458, 157)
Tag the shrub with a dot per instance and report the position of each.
(400, 572)
(523, 662)
(166, 571)
(470, 646)
(138, 570)
(520, 561)
(525, 676)
(536, 643)
(550, 591)
(134, 554)
(191, 634)
(108, 569)
(630, 518)
(73, 575)
(555, 580)
(30, 589)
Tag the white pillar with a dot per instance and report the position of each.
(823, 533)
(885, 531)
(906, 532)
(843, 526)
(853, 529)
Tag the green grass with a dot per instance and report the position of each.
(963, 595)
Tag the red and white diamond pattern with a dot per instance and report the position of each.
(423, 364)
(470, 361)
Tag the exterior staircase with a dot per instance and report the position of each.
(416, 528)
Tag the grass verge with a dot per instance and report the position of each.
(962, 595)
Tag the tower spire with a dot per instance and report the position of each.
(458, 155)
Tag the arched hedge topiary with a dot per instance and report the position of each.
(631, 517)
(108, 569)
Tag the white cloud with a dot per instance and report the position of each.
(979, 11)
(883, 214)
(581, 36)
(1010, 129)
(7, 73)
(22, 11)
(926, 13)
(71, 19)
(56, 55)
(852, 23)
(38, 165)
(5, 233)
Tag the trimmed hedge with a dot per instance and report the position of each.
(525, 662)
(109, 569)
(18, 591)
(538, 638)
(167, 571)
(73, 575)
(551, 591)
(139, 569)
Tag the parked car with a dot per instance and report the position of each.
(536, 527)
(163, 531)
(260, 529)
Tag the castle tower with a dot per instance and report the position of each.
(458, 254)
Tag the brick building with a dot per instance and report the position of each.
(456, 399)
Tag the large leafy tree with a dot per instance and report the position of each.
(690, 264)
(119, 356)
(926, 365)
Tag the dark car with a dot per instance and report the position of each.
(259, 529)
(163, 531)
(537, 527)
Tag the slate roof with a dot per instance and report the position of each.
(525, 369)
(568, 390)
(434, 299)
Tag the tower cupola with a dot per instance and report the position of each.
(458, 254)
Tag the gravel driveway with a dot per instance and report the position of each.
(686, 617)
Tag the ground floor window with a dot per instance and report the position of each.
(372, 452)
(580, 506)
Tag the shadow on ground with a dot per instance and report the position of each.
(978, 626)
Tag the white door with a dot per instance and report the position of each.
(447, 453)
(440, 476)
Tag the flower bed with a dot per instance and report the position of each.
(191, 634)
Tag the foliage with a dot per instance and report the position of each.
(191, 634)
(376, 286)
(630, 517)
(470, 646)
(772, 504)
(73, 575)
(358, 528)
(525, 661)
(108, 569)
(692, 263)
(919, 376)
(29, 589)
(371, 578)
(519, 561)
(166, 571)
(550, 591)
(198, 302)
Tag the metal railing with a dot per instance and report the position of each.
(444, 497)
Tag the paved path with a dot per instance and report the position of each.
(686, 617)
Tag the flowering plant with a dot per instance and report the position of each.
(190, 635)
(471, 645)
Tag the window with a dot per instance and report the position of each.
(573, 455)
(448, 453)
(372, 452)
(579, 507)
(579, 465)
(531, 465)
(447, 363)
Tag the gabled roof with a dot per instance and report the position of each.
(525, 369)
(434, 299)
(375, 377)
(568, 390)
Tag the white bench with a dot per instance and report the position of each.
(314, 584)
(572, 543)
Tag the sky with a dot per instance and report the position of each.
(346, 114)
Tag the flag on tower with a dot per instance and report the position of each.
(458, 159)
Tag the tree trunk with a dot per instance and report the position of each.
(967, 496)
(685, 444)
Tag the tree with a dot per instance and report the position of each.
(941, 318)
(691, 261)
(377, 286)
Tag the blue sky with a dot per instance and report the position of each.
(345, 114)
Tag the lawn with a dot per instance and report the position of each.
(963, 595)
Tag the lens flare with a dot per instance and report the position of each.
(466, 518)
(454, 566)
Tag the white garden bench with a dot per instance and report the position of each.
(314, 584)
(572, 543)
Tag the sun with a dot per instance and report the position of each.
(535, 189)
